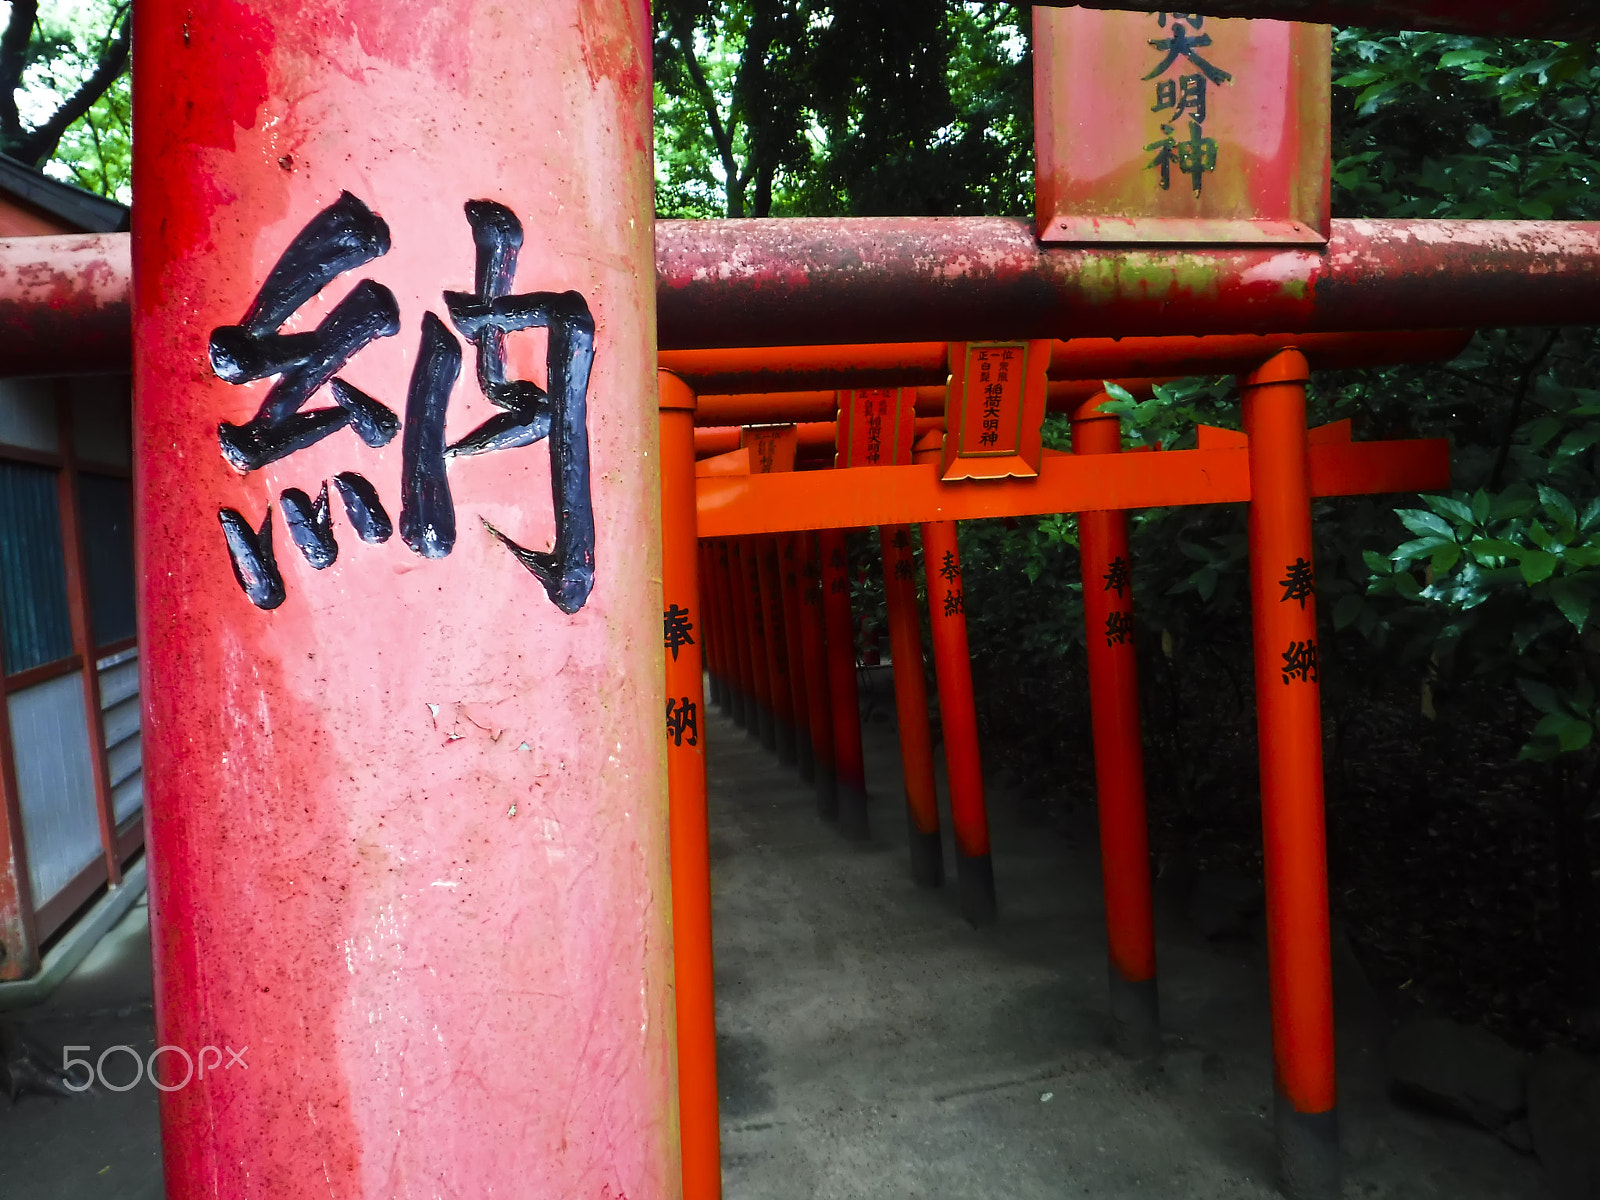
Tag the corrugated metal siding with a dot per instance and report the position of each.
(55, 782)
(33, 581)
(119, 713)
(107, 507)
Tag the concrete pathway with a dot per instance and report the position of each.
(104, 1145)
(873, 1045)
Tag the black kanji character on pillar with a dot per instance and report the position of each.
(1118, 578)
(949, 568)
(1300, 662)
(677, 627)
(683, 718)
(1298, 582)
(343, 236)
(531, 414)
(250, 552)
(1119, 627)
(954, 602)
(1182, 45)
(905, 568)
(901, 539)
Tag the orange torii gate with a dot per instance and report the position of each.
(752, 492)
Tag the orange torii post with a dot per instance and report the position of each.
(710, 641)
(958, 719)
(911, 705)
(733, 633)
(1289, 724)
(814, 641)
(764, 729)
(1118, 752)
(739, 603)
(683, 625)
(794, 647)
(849, 765)
(875, 429)
(774, 641)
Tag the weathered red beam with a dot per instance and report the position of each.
(891, 279)
(1559, 20)
(735, 505)
(64, 304)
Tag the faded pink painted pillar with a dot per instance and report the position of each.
(404, 762)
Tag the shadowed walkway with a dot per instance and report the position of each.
(871, 1044)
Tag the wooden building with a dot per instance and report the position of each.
(72, 805)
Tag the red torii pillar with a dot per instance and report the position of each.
(407, 810)
(762, 725)
(775, 642)
(814, 642)
(684, 627)
(738, 653)
(1118, 751)
(958, 720)
(911, 705)
(849, 765)
(789, 564)
(1289, 724)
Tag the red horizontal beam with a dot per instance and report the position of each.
(816, 281)
(851, 497)
(1558, 20)
(64, 304)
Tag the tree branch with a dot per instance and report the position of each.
(1515, 415)
(13, 58)
(41, 143)
(683, 34)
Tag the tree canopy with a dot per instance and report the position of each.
(64, 97)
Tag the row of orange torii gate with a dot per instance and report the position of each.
(404, 794)
(757, 593)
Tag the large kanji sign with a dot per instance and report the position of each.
(1178, 127)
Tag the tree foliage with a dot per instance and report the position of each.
(64, 97)
(801, 107)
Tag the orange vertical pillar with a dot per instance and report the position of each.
(710, 643)
(739, 610)
(1289, 725)
(850, 774)
(777, 648)
(814, 643)
(1118, 751)
(794, 649)
(958, 719)
(761, 727)
(683, 629)
(733, 624)
(911, 705)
